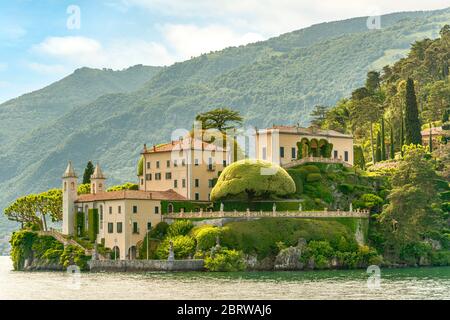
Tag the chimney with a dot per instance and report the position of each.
(154, 148)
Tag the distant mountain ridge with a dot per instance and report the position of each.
(274, 81)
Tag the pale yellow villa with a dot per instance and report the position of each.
(180, 171)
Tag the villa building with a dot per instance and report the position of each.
(180, 171)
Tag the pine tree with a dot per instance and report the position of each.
(391, 147)
(383, 142)
(88, 172)
(412, 122)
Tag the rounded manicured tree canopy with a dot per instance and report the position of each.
(253, 178)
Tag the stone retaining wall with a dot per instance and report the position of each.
(145, 265)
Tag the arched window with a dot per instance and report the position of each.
(170, 208)
(65, 186)
(72, 186)
(93, 188)
(100, 186)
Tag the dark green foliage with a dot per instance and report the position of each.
(412, 122)
(93, 220)
(80, 224)
(369, 201)
(88, 172)
(445, 196)
(159, 231)
(186, 206)
(358, 156)
(346, 188)
(378, 149)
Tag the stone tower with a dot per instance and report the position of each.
(98, 180)
(70, 187)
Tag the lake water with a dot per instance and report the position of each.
(419, 283)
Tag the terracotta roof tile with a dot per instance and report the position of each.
(185, 144)
(131, 194)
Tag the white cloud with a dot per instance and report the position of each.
(191, 40)
(273, 17)
(82, 51)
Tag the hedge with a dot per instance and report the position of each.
(289, 205)
(188, 206)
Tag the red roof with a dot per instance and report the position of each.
(131, 194)
(185, 144)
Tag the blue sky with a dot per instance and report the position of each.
(37, 47)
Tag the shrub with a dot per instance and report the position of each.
(74, 255)
(21, 247)
(225, 260)
(320, 252)
(43, 244)
(313, 177)
(346, 188)
(412, 252)
(180, 228)
(244, 178)
(369, 201)
(310, 168)
(205, 236)
(183, 247)
(440, 258)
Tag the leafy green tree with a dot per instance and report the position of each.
(414, 204)
(253, 178)
(125, 186)
(84, 188)
(34, 209)
(88, 172)
(221, 119)
(412, 122)
(319, 114)
(373, 81)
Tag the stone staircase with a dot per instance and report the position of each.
(67, 241)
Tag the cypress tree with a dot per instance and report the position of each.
(378, 152)
(391, 147)
(412, 122)
(430, 142)
(402, 136)
(88, 172)
(383, 142)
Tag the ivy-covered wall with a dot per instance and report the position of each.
(93, 224)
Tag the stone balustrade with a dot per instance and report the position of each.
(269, 214)
(315, 159)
